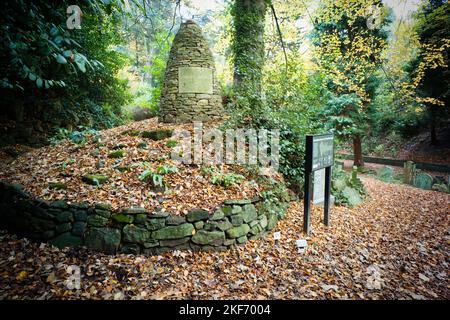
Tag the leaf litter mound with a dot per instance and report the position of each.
(66, 163)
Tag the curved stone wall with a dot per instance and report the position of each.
(134, 230)
(190, 91)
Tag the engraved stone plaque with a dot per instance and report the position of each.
(195, 80)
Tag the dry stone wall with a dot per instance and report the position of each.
(190, 91)
(134, 230)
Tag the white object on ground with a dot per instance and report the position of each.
(301, 245)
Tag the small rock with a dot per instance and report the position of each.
(123, 218)
(134, 210)
(116, 154)
(57, 186)
(157, 134)
(196, 215)
(95, 179)
(237, 232)
(79, 228)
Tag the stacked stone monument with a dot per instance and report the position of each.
(190, 91)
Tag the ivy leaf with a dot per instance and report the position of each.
(80, 61)
(81, 66)
(53, 31)
(61, 59)
(58, 39)
(39, 83)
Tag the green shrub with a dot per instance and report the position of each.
(116, 154)
(157, 180)
(347, 191)
(223, 179)
(156, 177)
(80, 136)
(65, 77)
(171, 143)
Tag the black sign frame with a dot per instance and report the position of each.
(309, 170)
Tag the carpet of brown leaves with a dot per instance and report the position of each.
(187, 189)
(394, 246)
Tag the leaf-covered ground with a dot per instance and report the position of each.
(395, 246)
(68, 162)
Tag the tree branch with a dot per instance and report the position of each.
(280, 35)
(177, 5)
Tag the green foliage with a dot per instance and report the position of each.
(156, 177)
(418, 56)
(275, 196)
(275, 191)
(148, 25)
(157, 180)
(441, 187)
(433, 27)
(290, 105)
(171, 143)
(67, 162)
(80, 136)
(343, 116)
(385, 174)
(223, 179)
(116, 154)
(344, 188)
(227, 180)
(166, 169)
(208, 170)
(39, 50)
(351, 68)
(379, 150)
(73, 73)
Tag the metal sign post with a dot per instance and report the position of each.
(319, 155)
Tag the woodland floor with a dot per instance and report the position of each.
(394, 246)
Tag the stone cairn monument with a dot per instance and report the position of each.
(190, 91)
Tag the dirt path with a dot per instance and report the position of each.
(395, 246)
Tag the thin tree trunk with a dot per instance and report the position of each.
(433, 135)
(433, 114)
(137, 50)
(357, 152)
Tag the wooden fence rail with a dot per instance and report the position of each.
(399, 163)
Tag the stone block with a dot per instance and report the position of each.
(237, 232)
(174, 232)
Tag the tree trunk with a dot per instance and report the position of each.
(248, 46)
(137, 50)
(433, 136)
(357, 152)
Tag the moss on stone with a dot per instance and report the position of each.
(95, 179)
(157, 134)
(57, 185)
(116, 154)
